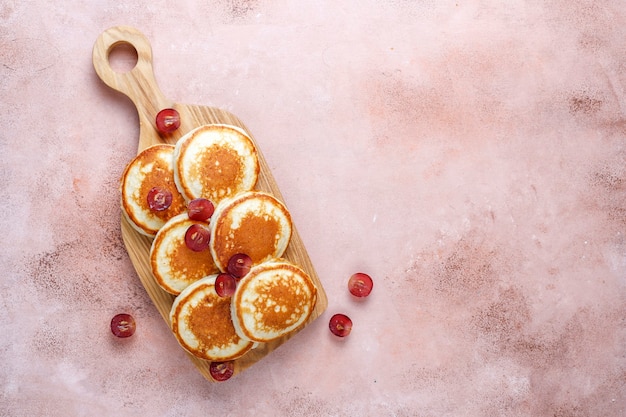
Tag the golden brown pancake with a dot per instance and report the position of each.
(201, 322)
(174, 265)
(153, 167)
(254, 223)
(215, 162)
(274, 299)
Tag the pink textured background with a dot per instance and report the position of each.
(469, 155)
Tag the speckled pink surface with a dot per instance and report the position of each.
(469, 155)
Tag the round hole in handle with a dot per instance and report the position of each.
(122, 57)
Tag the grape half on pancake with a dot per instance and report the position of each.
(215, 162)
(152, 169)
(254, 223)
(274, 299)
(201, 322)
(174, 265)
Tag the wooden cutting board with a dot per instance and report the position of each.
(140, 86)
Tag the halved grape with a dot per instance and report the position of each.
(340, 325)
(239, 265)
(360, 284)
(123, 325)
(200, 209)
(221, 371)
(225, 285)
(197, 237)
(167, 120)
(159, 199)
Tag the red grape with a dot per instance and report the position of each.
(123, 325)
(200, 209)
(221, 371)
(239, 265)
(225, 285)
(340, 325)
(159, 199)
(197, 237)
(360, 284)
(167, 120)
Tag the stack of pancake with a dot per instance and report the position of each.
(220, 163)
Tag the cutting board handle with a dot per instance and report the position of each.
(139, 83)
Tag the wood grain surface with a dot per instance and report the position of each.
(140, 86)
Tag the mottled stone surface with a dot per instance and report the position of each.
(469, 155)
